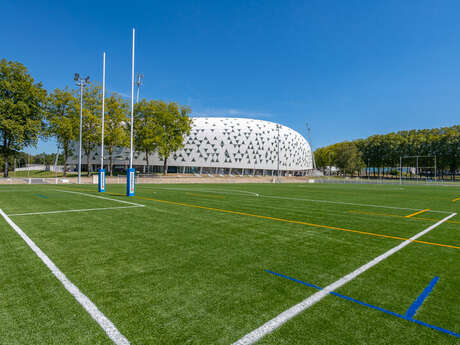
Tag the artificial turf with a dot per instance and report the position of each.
(189, 267)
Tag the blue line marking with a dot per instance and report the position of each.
(404, 317)
(41, 196)
(293, 279)
(420, 299)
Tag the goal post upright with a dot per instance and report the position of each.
(130, 175)
(101, 184)
(416, 167)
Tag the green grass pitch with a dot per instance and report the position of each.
(190, 266)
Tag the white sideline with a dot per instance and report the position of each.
(285, 316)
(100, 197)
(77, 210)
(90, 307)
(348, 203)
(296, 199)
(215, 191)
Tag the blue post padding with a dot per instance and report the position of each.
(130, 182)
(101, 180)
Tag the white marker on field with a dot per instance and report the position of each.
(285, 316)
(108, 327)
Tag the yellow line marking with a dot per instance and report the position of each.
(416, 213)
(294, 222)
(287, 220)
(456, 199)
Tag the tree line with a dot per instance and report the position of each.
(385, 151)
(29, 113)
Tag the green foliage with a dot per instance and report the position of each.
(21, 109)
(63, 121)
(380, 151)
(347, 157)
(26, 113)
(161, 127)
(91, 124)
(145, 127)
(173, 123)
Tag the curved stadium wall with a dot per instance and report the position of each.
(223, 145)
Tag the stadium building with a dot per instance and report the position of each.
(221, 145)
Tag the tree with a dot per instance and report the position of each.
(63, 120)
(323, 158)
(347, 157)
(91, 124)
(173, 124)
(21, 109)
(115, 129)
(146, 128)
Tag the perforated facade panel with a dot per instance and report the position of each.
(242, 143)
(237, 143)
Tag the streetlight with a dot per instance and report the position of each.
(278, 128)
(82, 83)
(139, 83)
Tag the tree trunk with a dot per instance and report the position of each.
(87, 163)
(5, 168)
(65, 163)
(5, 156)
(110, 151)
(165, 166)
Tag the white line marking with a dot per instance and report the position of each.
(347, 203)
(285, 316)
(216, 191)
(297, 199)
(101, 197)
(65, 211)
(90, 307)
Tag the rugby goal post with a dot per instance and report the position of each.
(418, 167)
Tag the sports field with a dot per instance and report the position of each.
(233, 263)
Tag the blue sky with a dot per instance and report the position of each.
(349, 68)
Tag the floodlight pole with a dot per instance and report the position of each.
(368, 168)
(435, 169)
(131, 172)
(139, 78)
(311, 146)
(278, 128)
(400, 169)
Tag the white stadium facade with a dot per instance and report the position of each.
(222, 145)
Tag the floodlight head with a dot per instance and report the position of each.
(77, 76)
